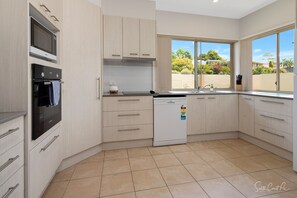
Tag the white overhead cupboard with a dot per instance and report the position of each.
(129, 38)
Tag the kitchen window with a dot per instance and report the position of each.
(200, 64)
(273, 62)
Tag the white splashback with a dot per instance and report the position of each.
(128, 76)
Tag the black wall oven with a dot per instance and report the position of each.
(46, 99)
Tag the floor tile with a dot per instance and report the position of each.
(287, 173)
(116, 154)
(138, 152)
(197, 146)
(159, 150)
(176, 175)
(228, 153)
(116, 166)
(189, 158)
(88, 187)
(235, 142)
(147, 179)
(202, 171)
(247, 185)
(93, 169)
(220, 188)
(250, 150)
(95, 158)
(116, 184)
(179, 148)
(247, 164)
(56, 190)
(209, 155)
(215, 144)
(226, 168)
(273, 181)
(154, 193)
(142, 163)
(166, 160)
(64, 175)
(188, 190)
(126, 195)
(271, 162)
(290, 194)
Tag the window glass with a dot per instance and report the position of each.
(264, 63)
(286, 43)
(214, 65)
(182, 64)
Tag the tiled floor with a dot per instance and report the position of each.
(226, 168)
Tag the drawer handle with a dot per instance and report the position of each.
(247, 98)
(133, 54)
(268, 101)
(272, 133)
(55, 18)
(9, 132)
(9, 161)
(124, 130)
(128, 115)
(50, 143)
(211, 98)
(10, 191)
(200, 98)
(45, 7)
(279, 119)
(129, 100)
(115, 55)
(146, 54)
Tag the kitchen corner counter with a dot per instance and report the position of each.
(7, 116)
(268, 94)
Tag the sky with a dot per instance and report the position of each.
(268, 45)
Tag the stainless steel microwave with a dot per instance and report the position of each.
(43, 42)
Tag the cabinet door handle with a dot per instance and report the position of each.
(125, 130)
(146, 54)
(10, 191)
(50, 143)
(129, 100)
(98, 88)
(266, 116)
(200, 98)
(211, 98)
(272, 133)
(247, 98)
(115, 55)
(9, 132)
(128, 115)
(275, 102)
(55, 18)
(9, 161)
(45, 7)
(133, 54)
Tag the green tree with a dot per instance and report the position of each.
(271, 64)
(287, 62)
(268, 57)
(213, 55)
(179, 64)
(173, 56)
(181, 53)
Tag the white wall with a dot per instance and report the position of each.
(189, 25)
(143, 9)
(276, 15)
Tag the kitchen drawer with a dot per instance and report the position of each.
(274, 105)
(14, 186)
(274, 137)
(275, 121)
(127, 103)
(122, 133)
(45, 159)
(11, 161)
(11, 133)
(125, 118)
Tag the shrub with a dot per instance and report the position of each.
(186, 71)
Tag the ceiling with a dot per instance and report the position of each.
(234, 9)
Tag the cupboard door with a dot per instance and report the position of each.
(246, 115)
(147, 38)
(211, 115)
(113, 37)
(130, 37)
(196, 114)
(55, 8)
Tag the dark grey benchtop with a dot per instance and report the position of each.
(218, 92)
(7, 116)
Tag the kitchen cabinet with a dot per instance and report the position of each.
(246, 114)
(147, 38)
(82, 76)
(113, 37)
(196, 114)
(131, 37)
(212, 114)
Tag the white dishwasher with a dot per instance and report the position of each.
(170, 120)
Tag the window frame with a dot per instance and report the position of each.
(196, 61)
